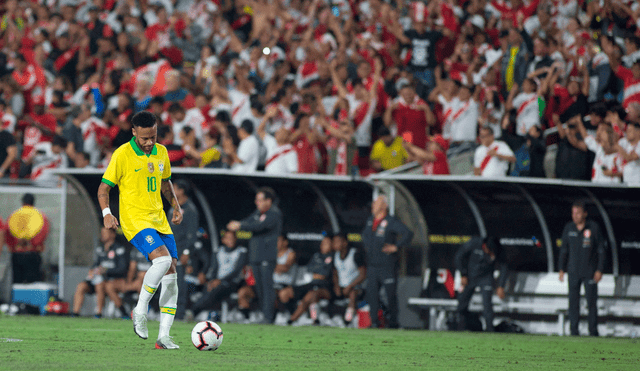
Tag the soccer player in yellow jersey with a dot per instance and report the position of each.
(136, 168)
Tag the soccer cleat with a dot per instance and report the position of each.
(348, 315)
(140, 324)
(166, 342)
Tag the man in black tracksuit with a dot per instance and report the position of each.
(582, 240)
(266, 225)
(382, 237)
(476, 262)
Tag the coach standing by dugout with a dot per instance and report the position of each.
(187, 233)
(382, 237)
(583, 242)
(266, 225)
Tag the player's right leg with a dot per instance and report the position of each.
(151, 245)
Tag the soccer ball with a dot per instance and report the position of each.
(206, 335)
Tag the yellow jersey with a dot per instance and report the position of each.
(390, 157)
(139, 177)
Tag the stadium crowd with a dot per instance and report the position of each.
(336, 87)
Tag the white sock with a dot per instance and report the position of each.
(168, 303)
(159, 266)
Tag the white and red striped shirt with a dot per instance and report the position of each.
(281, 160)
(528, 112)
(460, 119)
(492, 166)
(92, 130)
(611, 161)
(631, 170)
(46, 161)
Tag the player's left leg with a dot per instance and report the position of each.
(168, 297)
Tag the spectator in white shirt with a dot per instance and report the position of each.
(245, 158)
(492, 157)
(629, 150)
(181, 118)
(607, 165)
(526, 104)
(282, 157)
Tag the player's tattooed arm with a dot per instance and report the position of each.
(109, 220)
(168, 193)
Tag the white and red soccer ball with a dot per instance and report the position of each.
(206, 335)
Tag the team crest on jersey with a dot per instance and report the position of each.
(149, 240)
(161, 166)
(263, 217)
(151, 167)
(383, 223)
(327, 260)
(587, 233)
(111, 254)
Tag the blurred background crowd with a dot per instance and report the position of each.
(339, 87)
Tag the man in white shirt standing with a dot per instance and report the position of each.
(492, 157)
(245, 159)
(629, 150)
(282, 157)
(461, 115)
(526, 103)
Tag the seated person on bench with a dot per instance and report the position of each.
(110, 267)
(225, 273)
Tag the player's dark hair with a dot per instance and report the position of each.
(268, 193)
(144, 119)
(28, 199)
(579, 204)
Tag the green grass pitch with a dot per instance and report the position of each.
(61, 343)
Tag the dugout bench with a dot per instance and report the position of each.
(536, 295)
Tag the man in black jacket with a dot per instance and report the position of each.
(266, 225)
(583, 242)
(476, 262)
(382, 238)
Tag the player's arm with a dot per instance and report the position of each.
(109, 220)
(170, 195)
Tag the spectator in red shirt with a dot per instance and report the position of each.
(304, 140)
(433, 157)
(410, 114)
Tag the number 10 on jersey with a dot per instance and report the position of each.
(152, 184)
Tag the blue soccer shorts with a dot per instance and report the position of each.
(149, 239)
